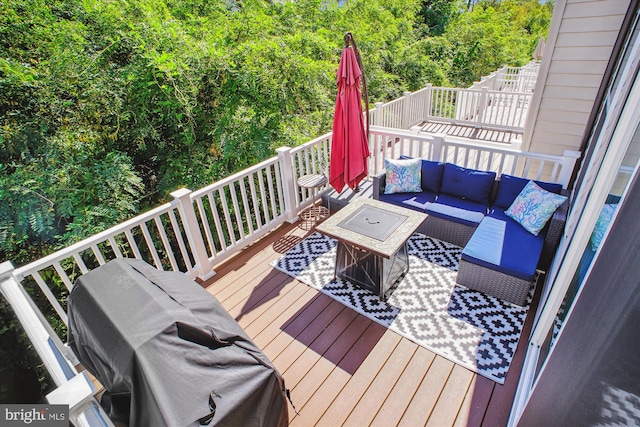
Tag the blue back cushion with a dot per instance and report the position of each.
(510, 186)
(467, 183)
(431, 174)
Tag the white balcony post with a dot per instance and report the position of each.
(406, 110)
(438, 147)
(482, 105)
(569, 159)
(289, 183)
(378, 114)
(427, 104)
(194, 235)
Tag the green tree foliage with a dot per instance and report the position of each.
(107, 106)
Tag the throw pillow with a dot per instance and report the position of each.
(602, 224)
(533, 207)
(467, 183)
(403, 176)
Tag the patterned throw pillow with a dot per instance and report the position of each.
(602, 224)
(533, 207)
(403, 176)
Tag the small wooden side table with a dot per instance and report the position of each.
(314, 213)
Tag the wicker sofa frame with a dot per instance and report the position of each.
(477, 277)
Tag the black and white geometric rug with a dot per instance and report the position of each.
(467, 327)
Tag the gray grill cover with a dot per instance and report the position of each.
(162, 344)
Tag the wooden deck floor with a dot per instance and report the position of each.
(342, 368)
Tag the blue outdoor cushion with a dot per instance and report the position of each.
(467, 183)
(503, 245)
(510, 187)
(431, 174)
(415, 201)
(465, 212)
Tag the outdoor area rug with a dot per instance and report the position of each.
(467, 327)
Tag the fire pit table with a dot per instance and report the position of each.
(372, 242)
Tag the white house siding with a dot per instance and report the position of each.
(578, 48)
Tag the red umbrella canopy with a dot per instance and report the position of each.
(349, 145)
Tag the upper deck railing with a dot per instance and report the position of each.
(499, 101)
(198, 230)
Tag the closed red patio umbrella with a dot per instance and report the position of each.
(349, 141)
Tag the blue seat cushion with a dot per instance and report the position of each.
(455, 209)
(501, 244)
(468, 184)
(415, 201)
(510, 186)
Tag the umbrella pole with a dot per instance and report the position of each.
(349, 41)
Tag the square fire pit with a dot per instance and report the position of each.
(372, 242)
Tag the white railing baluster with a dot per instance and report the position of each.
(263, 195)
(114, 247)
(80, 262)
(63, 275)
(274, 209)
(151, 246)
(180, 240)
(279, 186)
(98, 254)
(216, 220)
(50, 297)
(541, 166)
(133, 245)
(255, 202)
(245, 203)
(165, 243)
(227, 216)
(236, 205)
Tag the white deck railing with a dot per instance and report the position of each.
(500, 101)
(393, 143)
(198, 230)
(511, 79)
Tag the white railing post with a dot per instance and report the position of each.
(379, 115)
(482, 106)
(194, 235)
(438, 147)
(406, 110)
(289, 183)
(427, 104)
(569, 159)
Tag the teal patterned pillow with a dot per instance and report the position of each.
(533, 207)
(602, 224)
(403, 176)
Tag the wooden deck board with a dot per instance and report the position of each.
(341, 367)
(374, 397)
(400, 396)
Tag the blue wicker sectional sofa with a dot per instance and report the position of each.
(471, 209)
